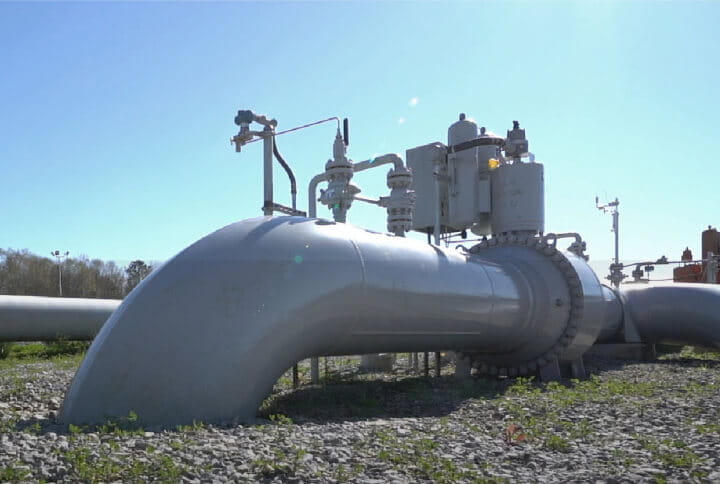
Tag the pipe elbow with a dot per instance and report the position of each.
(386, 159)
(312, 193)
(396, 160)
(213, 329)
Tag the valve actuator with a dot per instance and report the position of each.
(469, 185)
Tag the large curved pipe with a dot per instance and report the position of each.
(683, 313)
(213, 329)
(34, 318)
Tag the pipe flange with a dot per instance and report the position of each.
(577, 302)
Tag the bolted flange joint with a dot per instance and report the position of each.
(401, 202)
(546, 246)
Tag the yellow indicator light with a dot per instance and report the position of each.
(493, 163)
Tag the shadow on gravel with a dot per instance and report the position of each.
(345, 398)
(39, 426)
(338, 401)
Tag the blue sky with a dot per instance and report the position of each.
(116, 117)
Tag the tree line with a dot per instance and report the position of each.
(25, 274)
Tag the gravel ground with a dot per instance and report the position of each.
(630, 422)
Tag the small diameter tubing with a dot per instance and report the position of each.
(312, 193)
(290, 174)
(378, 161)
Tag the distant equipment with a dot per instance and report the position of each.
(706, 269)
(616, 274)
(59, 256)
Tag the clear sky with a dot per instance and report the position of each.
(115, 118)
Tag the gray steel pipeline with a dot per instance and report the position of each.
(681, 313)
(212, 330)
(613, 324)
(34, 318)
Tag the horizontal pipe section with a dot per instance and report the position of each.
(35, 318)
(213, 329)
(681, 313)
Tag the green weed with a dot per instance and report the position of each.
(557, 443)
(281, 419)
(13, 473)
(669, 452)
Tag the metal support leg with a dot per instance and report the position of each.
(315, 370)
(650, 353)
(295, 376)
(577, 368)
(551, 371)
(438, 364)
(463, 366)
(426, 360)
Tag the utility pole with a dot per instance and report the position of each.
(59, 256)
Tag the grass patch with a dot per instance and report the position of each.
(13, 473)
(669, 452)
(43, 350)
(691, 353)
(557, 443)
(421, 458)
(537, 408)
(120, 426)
(284, 463)
(61, 362)
(14, 387)
(104, 464)
(711, 428)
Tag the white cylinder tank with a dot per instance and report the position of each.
(488, 149)
(518, 198)
(463, 173)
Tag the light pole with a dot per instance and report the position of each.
(59, 256)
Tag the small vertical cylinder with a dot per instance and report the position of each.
(518, 198)
(463, 174)
(710, 242)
